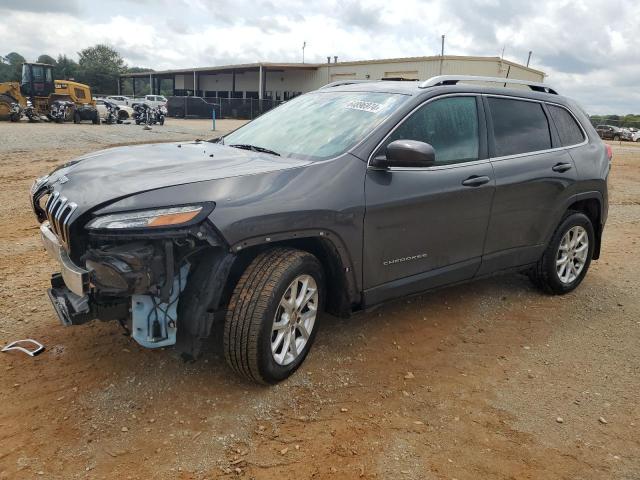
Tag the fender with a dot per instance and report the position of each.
(327, 238)
(594, 194)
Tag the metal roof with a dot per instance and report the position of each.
(314, 66)
(229, 68)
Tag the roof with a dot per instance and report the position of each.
(315, 66)
(229, 68)
(414, 88)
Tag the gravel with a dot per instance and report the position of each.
(27, 137)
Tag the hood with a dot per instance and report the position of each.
(108, 175)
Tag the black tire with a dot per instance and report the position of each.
(161, 122)
(253, 307)
(76, 117)
(14, 117)
(96, 118)
(544, 274)
(137, 122)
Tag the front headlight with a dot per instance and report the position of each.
(160, 217)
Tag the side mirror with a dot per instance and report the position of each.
(406, 153)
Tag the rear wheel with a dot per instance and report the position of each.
(566, 260)
(96, 118)
(271, 320)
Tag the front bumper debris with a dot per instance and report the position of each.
(71, 309)
(75, 278)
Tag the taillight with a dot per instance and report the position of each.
(609, 151)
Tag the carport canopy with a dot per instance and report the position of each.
(261, 68)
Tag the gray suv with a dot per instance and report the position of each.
(340, 199)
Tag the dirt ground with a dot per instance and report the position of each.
(490, 380)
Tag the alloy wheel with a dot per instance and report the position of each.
(294, 320)
(572, 254)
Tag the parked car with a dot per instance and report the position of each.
(635, 135)
(336, 201)
(150, 100)
(118, 99)
(124, 112)
(609, 132)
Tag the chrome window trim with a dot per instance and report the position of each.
(434, 167)
(539, 152)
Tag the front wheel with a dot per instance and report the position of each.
(271, 320)
(566, 260)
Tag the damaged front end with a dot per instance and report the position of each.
(137, 268)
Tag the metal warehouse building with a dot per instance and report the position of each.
(271, 83)
(281, 81)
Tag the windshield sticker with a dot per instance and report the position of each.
(370, 107)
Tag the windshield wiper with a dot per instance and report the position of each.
(254, 148)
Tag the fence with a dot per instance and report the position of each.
(199, 107)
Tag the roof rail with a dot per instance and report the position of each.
(454, 79)
(343, 82)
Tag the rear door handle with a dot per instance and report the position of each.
(561, 167)
(476, 181)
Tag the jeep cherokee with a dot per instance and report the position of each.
(338, 200)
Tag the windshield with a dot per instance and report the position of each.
(318, 125)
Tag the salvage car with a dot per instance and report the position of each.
(124, 112)
(338, 200)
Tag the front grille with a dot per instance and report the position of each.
(58, 210)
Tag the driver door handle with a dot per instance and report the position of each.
(476, 181)
(561, 167)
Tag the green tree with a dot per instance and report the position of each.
(11, 67)
(99, 67)
(46, 59)
(139, 70)
(65, 68)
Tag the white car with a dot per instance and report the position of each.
(151, 100)
(118, 99)
(124, 113)
(635, 134)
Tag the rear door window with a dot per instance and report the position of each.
(568, 129)
(450, 125)
(518, 126)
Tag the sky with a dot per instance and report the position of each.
(588, 49)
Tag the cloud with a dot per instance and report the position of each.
(39, 6)
(585, 46)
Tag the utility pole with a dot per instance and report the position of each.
(529, 57)
(304, 44)
(441, 55)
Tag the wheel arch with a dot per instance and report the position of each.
(342, 294)
(591, 205)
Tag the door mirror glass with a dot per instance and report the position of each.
(406, 153)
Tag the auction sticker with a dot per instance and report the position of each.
(371, 107)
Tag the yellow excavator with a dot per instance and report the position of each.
(39, 95)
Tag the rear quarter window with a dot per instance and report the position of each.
(518, 126)
(568, 129)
